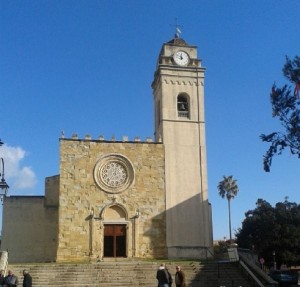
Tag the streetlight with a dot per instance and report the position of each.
(3, 185)
(274, 259)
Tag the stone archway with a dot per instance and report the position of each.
(114, 212)
(114, 231)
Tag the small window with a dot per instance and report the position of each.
(158, 112)
(182, 107)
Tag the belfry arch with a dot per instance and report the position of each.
(183, 105)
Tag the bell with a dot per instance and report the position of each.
(182, 107)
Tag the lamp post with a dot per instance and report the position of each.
(274, 259)
(3, 185)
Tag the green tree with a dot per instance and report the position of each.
(257, 229)
(228, 187)
(268, 229)
(286, 107)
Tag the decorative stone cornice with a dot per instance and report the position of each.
(101, 138)
(181, 82)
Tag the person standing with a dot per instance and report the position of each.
(169, 277)
(162, 276)
(179, 277)
(262, 263)
(11, 280)
(27, 281)
(2, 278)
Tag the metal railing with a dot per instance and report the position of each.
(254, 273)
(183, 114)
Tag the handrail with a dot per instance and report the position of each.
(255, 279)
(254, 271)
(209, 251)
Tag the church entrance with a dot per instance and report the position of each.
(114, 240)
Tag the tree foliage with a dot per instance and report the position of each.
(266, 229)
(228, 188)
(286, 107)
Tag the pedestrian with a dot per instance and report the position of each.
(179, 277)
(162, 276)
(262, 263)
(169, 277)
(27, 281)
(11, 280)
(2, 278)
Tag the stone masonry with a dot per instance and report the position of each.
(84, 208)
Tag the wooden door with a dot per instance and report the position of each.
(114, 240)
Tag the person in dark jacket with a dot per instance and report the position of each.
(169, 277)
(162, 276)
(179, 277)
(27, 281)
(2, 278)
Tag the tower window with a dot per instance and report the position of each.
(182, 106)
(158, 112)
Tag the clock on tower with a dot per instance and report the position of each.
(178, 90)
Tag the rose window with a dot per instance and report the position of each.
(114, 173)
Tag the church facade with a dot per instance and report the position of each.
(122, 198)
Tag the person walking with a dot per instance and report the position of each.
(179, 277)
(162, 276)
(27, 281)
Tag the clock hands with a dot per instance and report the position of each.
(181, 58)
(179, 55)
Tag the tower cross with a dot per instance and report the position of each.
(177, 29)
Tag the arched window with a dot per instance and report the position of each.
(183, 106)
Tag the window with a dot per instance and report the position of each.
(182, 106)
(158, 112)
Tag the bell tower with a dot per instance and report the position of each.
(178, 90)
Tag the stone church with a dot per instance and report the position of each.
(126, 198)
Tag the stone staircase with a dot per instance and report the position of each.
(130, 274)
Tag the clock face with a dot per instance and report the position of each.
(181, 58)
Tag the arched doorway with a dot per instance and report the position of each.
(115, 232)
(114, 240)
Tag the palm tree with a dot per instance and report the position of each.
(228, 187)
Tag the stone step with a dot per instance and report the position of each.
(130, 273)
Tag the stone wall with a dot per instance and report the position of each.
(29, 229)
(52, 191)
(92, 196)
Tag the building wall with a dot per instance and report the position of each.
(186, 189)
(157, 191)
(29, 229)
(85, 207)
(52, 191)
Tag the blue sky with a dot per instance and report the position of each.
(86, 67)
